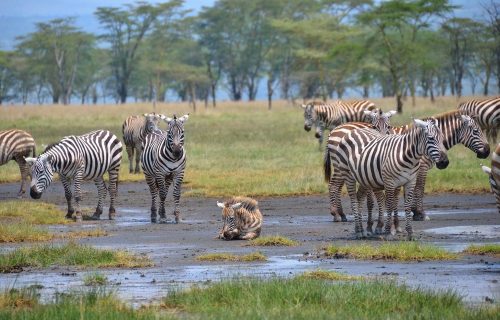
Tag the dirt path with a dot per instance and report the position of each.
(457, 220)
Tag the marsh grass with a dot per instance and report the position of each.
(70, 254)
(329, 275)
(399, 251)
(238, 147)
(95, 279)
(492, 249)
(304, 298)
(254, 256)
(272, 241)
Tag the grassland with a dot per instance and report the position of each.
(491, 249)
(254, 256)
(238, 148)
(273, 241)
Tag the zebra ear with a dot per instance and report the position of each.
(367, 112)
(236, 205)
(30, 160)
(303, 106)
(465, 118)
(184, 118)
(220, 204)
(390, 113)
(419, 123)
(486, 169)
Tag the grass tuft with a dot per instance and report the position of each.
(254, 256)
(492, 249)
(329, 275)
(95, 279)
(270, 241)
(71, 254)
(400, 251)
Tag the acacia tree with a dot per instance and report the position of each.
(126, 29)
(6, 76)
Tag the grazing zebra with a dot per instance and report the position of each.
(163, 161)
(134, 129)
(242, 219)
(16, 144)
(387, 162)
(494, 174)
(77, 158)
(329, 115)
(487, 112)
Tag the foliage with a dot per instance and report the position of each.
(254, 256)
(485, 249)
(276, 240)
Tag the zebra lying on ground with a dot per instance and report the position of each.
(163, 161)
(378, 162)
(487, 112)
(134, 129)
(242, 219)
(326, 116)
(494, 174)
(16, 144)
(77, 158)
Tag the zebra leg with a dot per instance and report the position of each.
(380, 201)
(395, 210)
(67, 194)
(358, 224)
(418, 196)
(130, 153)
(250, 236)
(101, 194)
(153, 189)
(113, 190)
(409, 188)
(24, 169)
(319, 135)
(138, 152)
(363, 194)
(335, 189)
(163, 185)
(389, 200)
(179, 177)
(78, 194)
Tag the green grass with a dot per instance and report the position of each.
(399, 251)
(302, 298)
(329, 275)
(254, 256)
(71, 254)
(239, 148)
(270, 241)
(95, 279)
(492, 249)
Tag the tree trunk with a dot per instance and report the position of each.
(270, 92)
(399, 102)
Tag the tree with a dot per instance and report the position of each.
(493, 13)
(126, 29)
(6, 76)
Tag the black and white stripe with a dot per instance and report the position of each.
(135, 129)
(487, 112)
(78, 158)
(327, 116)
(163, 162)
(16, 144)
(494, 175)
(241, 218)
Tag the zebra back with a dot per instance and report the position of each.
(15, 142)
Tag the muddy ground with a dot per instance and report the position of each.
(457, 220)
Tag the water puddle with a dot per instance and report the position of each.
(468, 232)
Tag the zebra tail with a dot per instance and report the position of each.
(327, 165)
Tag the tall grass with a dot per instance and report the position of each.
(492, 249)
(238, 148)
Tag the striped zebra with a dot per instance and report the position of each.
(163, 161)
(386, 162)
(134, 129)
(494, 174)
(15, 145)
(77, 158)
(487, 112)
(326, 116)
(242, 219)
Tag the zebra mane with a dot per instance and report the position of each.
(247, 203)
(450, 114)
(50, 146)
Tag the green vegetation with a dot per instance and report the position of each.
(329, 275)
(400, 251)
(71, 254)
(254, 256)
(269, 241)
(485, 249)
(95, 279)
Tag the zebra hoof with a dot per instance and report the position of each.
(336, 218)
(153, 220)
(361, 235)
(390, 237)
(379, 231)
(69, 215)
(344, 218)
(163, 221)
(95, 217)
(418, 217)
(78, 218)
(399, 230)
(426, 217)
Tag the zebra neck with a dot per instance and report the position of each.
(414, 142)
(450, 126)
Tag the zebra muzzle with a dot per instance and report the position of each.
(307, 128)
(484, 152)
(443, 162)
(34, 194)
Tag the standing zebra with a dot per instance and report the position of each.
(329, 115)
(494, 174)
(16, 144)
(134, 129)
(487, 112)
(242, 219)
(77, 158)
(381, 162)
(163, 161)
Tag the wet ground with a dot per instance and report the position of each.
(457, 220)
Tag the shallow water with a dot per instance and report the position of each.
(466, 232)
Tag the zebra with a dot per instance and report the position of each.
(163, 161)
(494, 174)
(85, 157)
(487, 112)
(242, 219)
(134, 129)
(329, 115)
(386, 162)
(16, 144)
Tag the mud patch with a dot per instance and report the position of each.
(468, 232)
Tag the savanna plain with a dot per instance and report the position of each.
(304, 265)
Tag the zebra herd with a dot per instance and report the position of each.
(380, 159)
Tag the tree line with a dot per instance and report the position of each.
(300, 48)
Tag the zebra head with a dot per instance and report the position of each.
(152, 120)
(380, 120)
(175, 134)
(309, 116)
(434, 147)
(41, 174)
(229, 229)
(473, 138)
